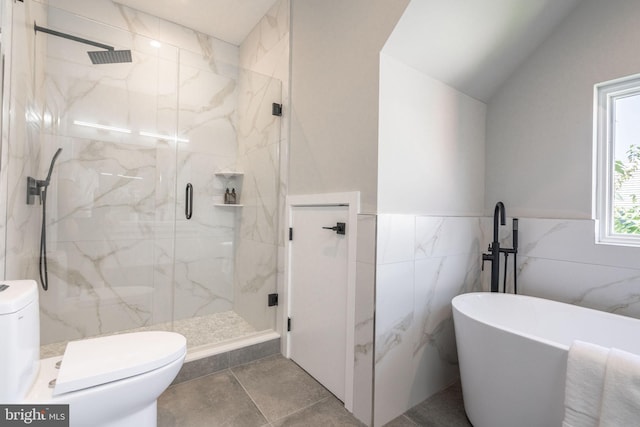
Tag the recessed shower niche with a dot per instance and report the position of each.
(231, 181)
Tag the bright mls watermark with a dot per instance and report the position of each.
(34, 415)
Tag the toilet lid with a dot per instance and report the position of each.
(90, 362)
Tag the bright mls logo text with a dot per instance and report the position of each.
(38, 415)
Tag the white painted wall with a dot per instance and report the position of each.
(539, 123)
(431, 146)
(334, 118)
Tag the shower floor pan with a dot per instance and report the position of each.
(202, 333)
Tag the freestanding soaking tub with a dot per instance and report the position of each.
(513, 352)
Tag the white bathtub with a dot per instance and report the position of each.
(513, 354)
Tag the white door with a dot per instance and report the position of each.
(318, 294)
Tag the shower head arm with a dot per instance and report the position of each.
(37, 28)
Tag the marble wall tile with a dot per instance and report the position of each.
(364, 342)
(443, 236)
(215, 51)
(393, 342)
(396, 238)
(611, 289)
(110, 13)
(252, 285)
(203, 276)
(394, 302)
(364, 318)
(97, 287)
(437, 282)
(572, 240)
(414, 338)
(259, 195)
(259, 138)
(264, 48)
(257, 127)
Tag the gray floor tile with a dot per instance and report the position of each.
(214, 400)
(277, 390)
(444, 409)
(326, 413)
(279, 387)
(401, 421)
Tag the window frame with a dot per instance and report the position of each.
(605, 94)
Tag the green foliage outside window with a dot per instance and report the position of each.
(626, 219)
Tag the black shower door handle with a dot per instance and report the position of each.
(188, 206)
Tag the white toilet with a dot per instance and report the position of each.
(109, 381)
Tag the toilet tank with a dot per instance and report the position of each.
(20, 334)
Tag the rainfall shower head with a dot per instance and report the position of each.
(107, 56)
(110, 56)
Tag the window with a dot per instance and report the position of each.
(617, 135)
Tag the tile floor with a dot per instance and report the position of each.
(276, 392)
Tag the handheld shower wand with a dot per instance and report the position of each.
(53, 161)
(37, 187)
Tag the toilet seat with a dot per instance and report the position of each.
(91, 362)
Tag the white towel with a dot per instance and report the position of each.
(621, 394)
(584, 384)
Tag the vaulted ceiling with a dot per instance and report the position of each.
(473, 45)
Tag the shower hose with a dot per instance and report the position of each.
(44, 274)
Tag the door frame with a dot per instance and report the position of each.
(352, 201)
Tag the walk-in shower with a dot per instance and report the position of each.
(122, 255)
